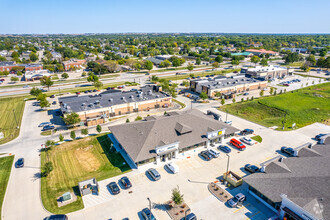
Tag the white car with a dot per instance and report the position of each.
(248, 141)
(214, 153)
(172, 167)
(43, 124)
(229, 122)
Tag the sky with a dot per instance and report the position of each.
(167, 16)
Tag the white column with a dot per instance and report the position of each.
(176, 153)
(157, 159)
(207, 143)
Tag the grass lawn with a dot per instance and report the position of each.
(46, 133)
(5, 168)
(303, 107)
(75, 161)
(7, 120)
(180, 103)
(257, 138)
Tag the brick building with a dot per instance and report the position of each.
(33, 67)
(7, 66)
(228, 87)
(97, 109)
(73, 64)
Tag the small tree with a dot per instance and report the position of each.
(46, 81)
(234, 100)
(190, 67)
(255, 59)
(98, 84)
(247, 98)
(177, 197)
(71, 119)
(242, 100)
(46, 169)
(252, 98)
(138, 118)
(98, 128)
(44, 103)
(222, 101)
(73, 135)
(14, 79)
(261, 93)
(185, 83)
(35, 92)
(198, 61)
(65, 75)
(84, 131)
(127, 120)
(284, 90)
(61, 138)
(271, 90)
(203, 95)
(50, 143)
(215, 65)
(274, 93)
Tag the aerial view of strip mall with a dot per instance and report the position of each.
(167, 110)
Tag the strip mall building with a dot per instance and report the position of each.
(97, 109)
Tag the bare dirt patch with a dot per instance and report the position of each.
(87, 159)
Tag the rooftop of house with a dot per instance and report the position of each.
(107, 99)
(7, 63)
(304, 179)
(140, 138)
(224, 82)
(72, 61)
(154, 60)
(261, 51)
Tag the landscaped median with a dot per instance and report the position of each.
(5, 169)
(300, 108)
(76, 161)
(11, 112)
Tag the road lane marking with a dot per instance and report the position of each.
(248, 218)
(241, 208)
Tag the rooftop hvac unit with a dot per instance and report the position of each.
(157, 96)
(110, 100)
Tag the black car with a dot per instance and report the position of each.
(191, 216)
(114, 188)
(154, 174)
(125, 182)
(287, 150)
(94, 90)
(48, 127)
(86, 91)
(206, 155)
(19, 163)
(147, 214)
(57, 217)
(52, 96)
(89, 91)
(247, 131)
(251, 168)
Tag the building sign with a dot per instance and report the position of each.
(213, 134)
(168, 147)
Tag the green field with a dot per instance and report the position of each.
(5, 168)
(303, 107)
(8, 124)
(75, 161)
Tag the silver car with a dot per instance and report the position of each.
(239, 198)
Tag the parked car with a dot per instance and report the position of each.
(78, 93)
(19, 163)
(239, 198)
(251, 168)
(125, 182)
(2, 80)
(248, 141)
(52, 96)
(229, 122)
(246, 93)
(206, 155)
(225, 148)
(247, 131)
(27, 86)
(57, 217)
(286, 84)
(214, 153)
(114, 188)
(94, 90)
(147, 214)
(54, 103)
(48, 127)
(318, 137)
(172, 167)
(86, 91)
(287, 150)
(154, 174)
(191, 216)
(43, 124)
(237, 144)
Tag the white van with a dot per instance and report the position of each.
(172, 167)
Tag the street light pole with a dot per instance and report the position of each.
(149, 205)
(227, 166)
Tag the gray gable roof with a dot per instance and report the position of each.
(140, 138)
(307, 183)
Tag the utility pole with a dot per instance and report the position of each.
(15, 119)
(227, 166)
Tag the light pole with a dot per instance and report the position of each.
(149, 206)
(227, 167)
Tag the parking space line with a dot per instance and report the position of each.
(248, 218)
(241, 208)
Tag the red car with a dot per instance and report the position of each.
(237, 144)
(78, 93)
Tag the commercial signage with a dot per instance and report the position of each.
(168, 147)
(215, 133)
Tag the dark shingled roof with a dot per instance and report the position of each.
(140, 138)
(304, 179)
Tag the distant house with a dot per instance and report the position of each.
(26, 55)
(155, 61)
(56, 56)
(73, 63)
(123, 55)
(295, 50)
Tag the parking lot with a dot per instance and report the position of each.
(194, 176)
